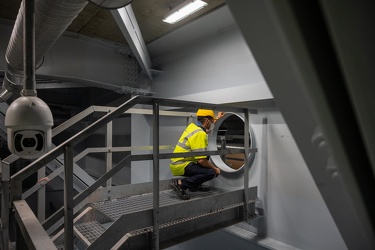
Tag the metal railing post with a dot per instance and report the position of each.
(5, 177)
(68, 198)
(42, 195)
(109, 152)
(156, 174)
(247, 163)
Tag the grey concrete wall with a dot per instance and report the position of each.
(169, 133)
(141, 136)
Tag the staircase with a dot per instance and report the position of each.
(127, 222)
(136, 216)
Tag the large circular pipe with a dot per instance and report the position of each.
(213, 144)
(52, 18)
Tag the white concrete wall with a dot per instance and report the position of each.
(216, 70)
(221, 69)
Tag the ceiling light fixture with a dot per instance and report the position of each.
(183, 10)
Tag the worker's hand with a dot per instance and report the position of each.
(219, 115)
(217, 171)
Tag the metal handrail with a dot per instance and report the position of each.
(16, 179)
(39, 163)
(83, 154)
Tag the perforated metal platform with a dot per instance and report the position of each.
(118, 207)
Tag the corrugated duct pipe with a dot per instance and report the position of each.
(52, 18)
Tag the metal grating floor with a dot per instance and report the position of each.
(90, 230)
(115, 208)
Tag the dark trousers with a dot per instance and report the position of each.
(196, 174)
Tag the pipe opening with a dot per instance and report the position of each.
(229, 133)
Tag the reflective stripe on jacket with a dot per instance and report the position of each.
(193, 139)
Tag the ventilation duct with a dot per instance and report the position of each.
(52, 18)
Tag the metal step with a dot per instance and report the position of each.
(90, 231)
(92, 225)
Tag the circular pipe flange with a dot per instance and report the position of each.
(212, 145)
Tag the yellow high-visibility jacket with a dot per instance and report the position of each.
(194, 138)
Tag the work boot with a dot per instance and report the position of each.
(179, 191)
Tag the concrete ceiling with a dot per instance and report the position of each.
(99, 23)
(159, 37)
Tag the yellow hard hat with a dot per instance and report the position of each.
(206, 112)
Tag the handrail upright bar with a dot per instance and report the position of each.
(68, 199)
(156, 175)
(5, 177)
(41, 196)
(247, 163)
(108, 154)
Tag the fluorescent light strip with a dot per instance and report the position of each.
(182, 12)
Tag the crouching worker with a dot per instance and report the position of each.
(196, 169)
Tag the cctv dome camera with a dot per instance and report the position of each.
(29, 121)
